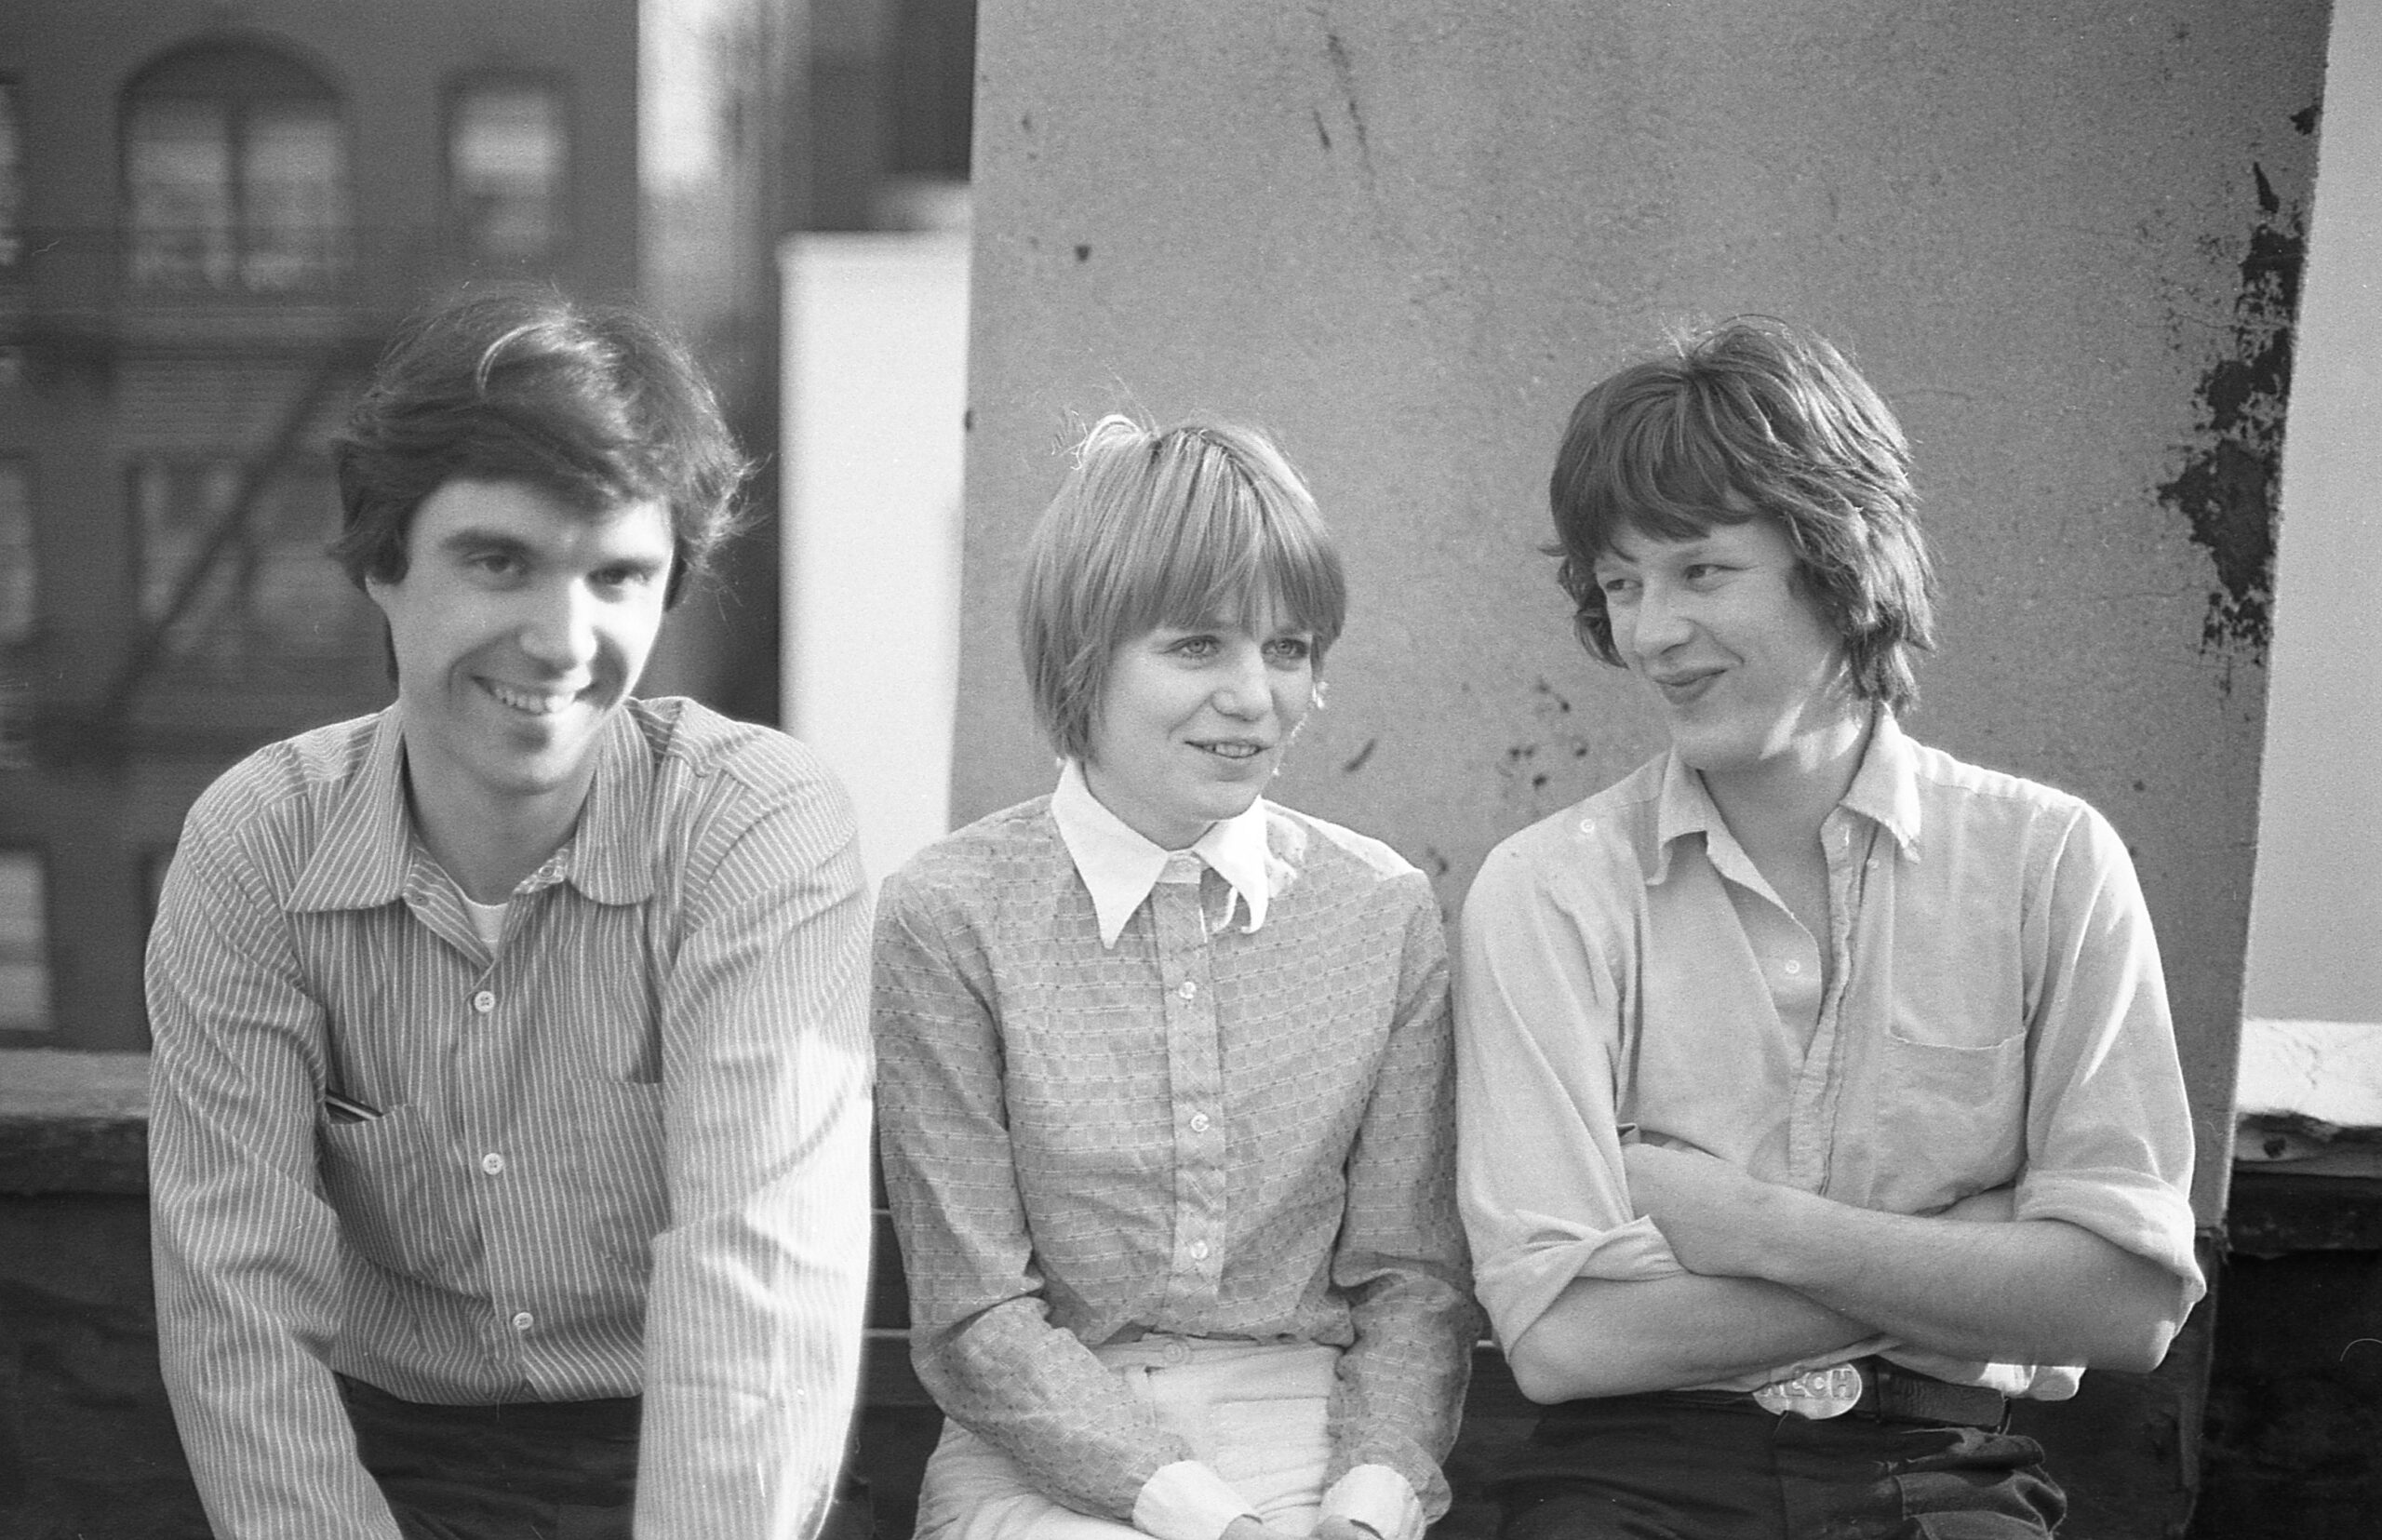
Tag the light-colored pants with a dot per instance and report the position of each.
(1253, 1410)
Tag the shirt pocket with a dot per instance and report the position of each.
(1952, 1111)
(383, 1178)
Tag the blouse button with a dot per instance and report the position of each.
(1189, 990)
(1198, 1122)
(1198, 1251)
(1793, 966)
(485, 1002)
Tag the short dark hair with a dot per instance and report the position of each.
(594, 404)
(1201, 521)
(1748, 418)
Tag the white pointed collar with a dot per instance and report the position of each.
(1120, 865)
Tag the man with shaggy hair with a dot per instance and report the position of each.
(1817, 1091)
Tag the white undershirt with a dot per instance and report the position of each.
(487, 920)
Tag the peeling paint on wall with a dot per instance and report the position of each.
(2231, 482)
(1539, 773)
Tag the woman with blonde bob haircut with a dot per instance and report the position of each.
(1164, 1067)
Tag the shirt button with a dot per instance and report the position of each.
(485, 1002)
(1871, 863)
(1178, 1353)
(1587, 825)
(1189, 990)
(1794, 967)
(523, 1321)
(1198, 1251)
(491, 1162)
(1198, 1122)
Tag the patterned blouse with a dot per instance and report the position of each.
(1205, 1130)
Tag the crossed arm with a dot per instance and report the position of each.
(1612, 1269)
(1776, 1275)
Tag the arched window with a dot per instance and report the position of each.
(234, 171)
(508, 166)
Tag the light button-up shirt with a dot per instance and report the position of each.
(1992, 1014)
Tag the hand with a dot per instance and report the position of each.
(1332, 1526)
(1248, 1527)
(1704, 1207)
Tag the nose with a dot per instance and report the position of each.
(560, 628)
(1244, 690)
(1655, 625)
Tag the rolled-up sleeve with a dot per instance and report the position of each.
(754, 1315)
(1539, 1028)
(2109, 1129)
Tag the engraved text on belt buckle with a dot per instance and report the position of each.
(1829, 1392)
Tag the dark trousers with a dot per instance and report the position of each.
(1683, 1466)
(525, 1470)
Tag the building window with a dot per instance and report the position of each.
(25, 943)
(235, 172)
(268, 587)
(508, 162)
(15, 550)
(12, 178)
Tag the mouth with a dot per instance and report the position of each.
(1685, 686)
(530, 702)
(1230, 750)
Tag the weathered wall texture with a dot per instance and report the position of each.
(2061, 240)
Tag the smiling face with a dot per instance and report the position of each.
(1193, 722)
(1751, 677)
(520, 626)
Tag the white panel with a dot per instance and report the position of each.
(2316, 910)
(876, 391)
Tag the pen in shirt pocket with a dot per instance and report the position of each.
(346, 1109)
(1627, 1133)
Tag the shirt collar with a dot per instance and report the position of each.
(368, 847)
(360, 862)
(1119, 866)
(1884, 789)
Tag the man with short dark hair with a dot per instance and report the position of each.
(1817, 1091)
(509, 1152)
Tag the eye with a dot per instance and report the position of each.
(1617, 585)
(624, 577)
(1290, 652)
(496, 565)
(1195, 648)
(1702, 571)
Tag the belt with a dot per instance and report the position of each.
(1889, 1394)
(1892, 1394)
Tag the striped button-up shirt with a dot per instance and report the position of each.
(623, 1152)
(1205, 1131)
(1989, 1013)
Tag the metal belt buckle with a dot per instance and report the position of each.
(1829, 1392)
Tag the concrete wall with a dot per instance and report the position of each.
(2060, 240)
